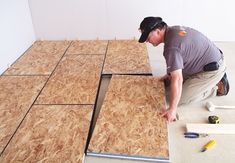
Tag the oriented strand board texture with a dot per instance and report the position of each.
(40, 59)
(129, 121)
(16, 96)
(52, 134)
(75, 81)
(126, 57)
(88, 47)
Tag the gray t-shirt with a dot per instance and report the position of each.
(189, 50)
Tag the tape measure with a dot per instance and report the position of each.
(213, 119)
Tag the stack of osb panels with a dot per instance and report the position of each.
(129, 123)
(76, 79)
(126, 57)
(17, 94)
(50, 133)
(40, 59)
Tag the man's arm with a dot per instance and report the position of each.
(175, 94)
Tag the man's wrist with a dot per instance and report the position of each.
(172, 108)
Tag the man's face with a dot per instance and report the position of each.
(154, 37)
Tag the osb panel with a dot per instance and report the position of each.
(16, 96)
(50, 134)
(80, 65)
(129, 122)
(88, 47)
(50, 46)
(126, 57)
(40, 59)
(75, 81)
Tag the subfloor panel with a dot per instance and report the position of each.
(52, 133)
(126, 57)
(88, 47)
(129, 123)
(17, 94)
(40, 59)
(75, 81)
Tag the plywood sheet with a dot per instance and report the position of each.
(88, 47)
(50, 46)
(16, 96)
(129, 121)
(126, 57)
(75, 81)
(40, 59)
(50, 134)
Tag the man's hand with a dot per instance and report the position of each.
(170, 115)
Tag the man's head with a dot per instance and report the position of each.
(151, 26)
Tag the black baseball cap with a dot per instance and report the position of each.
(147, 25)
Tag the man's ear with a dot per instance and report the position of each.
(158, 30)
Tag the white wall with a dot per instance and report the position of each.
(68, 19)
(215, 18)
(107, 19)
(16, 31)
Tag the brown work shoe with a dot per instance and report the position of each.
(223, 86)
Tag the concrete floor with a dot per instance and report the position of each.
(178, 146)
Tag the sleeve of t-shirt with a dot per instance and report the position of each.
(174, 60)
